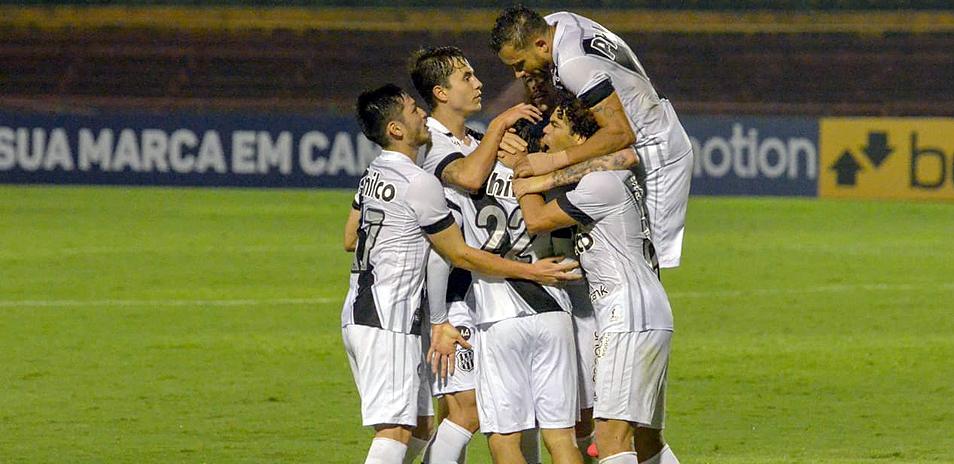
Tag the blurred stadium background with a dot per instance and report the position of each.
(172, 324)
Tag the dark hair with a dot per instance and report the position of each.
(433, 66)
(515, 27)
(376, 108)
(582, 121)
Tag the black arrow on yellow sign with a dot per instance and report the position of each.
(846, 168)
(878, 149)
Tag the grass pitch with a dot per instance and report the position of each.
(182, 325)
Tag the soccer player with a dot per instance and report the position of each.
(633, 315)
(447, 83)
(526, 358)
(402, 214)
(601, 69)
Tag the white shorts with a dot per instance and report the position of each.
(631, 370)
(465, 372)
(526, 373)
(667, 195)
(585, 330)
(388, 370)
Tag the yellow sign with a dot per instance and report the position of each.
(909, 158)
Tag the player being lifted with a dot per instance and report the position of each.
(601, 69)
(633, 316)
(526, 352)
(446, 82)
(402, 214)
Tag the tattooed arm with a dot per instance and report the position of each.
(623, 159)
(613, 135)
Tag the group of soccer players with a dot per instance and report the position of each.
(472, 229)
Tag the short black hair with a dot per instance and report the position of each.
(433, 66)
(582, 121)
(375, 108)
(515, 27)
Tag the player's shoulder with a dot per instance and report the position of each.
(605, 183)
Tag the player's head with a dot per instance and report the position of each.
(443, 76)
(571, 123)
(389, 116)
(521, 39)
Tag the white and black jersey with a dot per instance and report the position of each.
(592, 62)
(400, 204)
(616, 253)
(493, 222)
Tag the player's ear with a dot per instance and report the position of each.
(395, 129)
(439, 94)
(542, 44)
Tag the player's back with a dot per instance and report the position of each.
(592, 62)
(389, 261)
(617, 254)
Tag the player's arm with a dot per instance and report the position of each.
(542, 216)
(450, 244)
(470, 172)
(444, 336)
(623, 159)
(351, 227)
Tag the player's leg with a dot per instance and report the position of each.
(505, 448)
(650, 443)
(631, 371)
(667, 196)
(385, 366)
(504, 401)
(555, 384)
(530, 446)
(455, 431)
(420, 437)
(584, 327)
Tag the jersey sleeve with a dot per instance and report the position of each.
(583, 76)
(426, 198)
(439, 155)
(597, 196)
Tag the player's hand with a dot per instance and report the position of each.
(552, 271)
(527, 185)
(543, 163)
(521, 168)
(442, 353)
(513, 143)
(517, 112)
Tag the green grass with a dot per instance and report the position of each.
(182, 325)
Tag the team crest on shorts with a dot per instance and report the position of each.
(465, 360)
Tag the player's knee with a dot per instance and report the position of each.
(401, 433)
(425, 425)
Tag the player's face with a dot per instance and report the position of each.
(414, 119)
(534, 60)
(464, 89)
(557, 135)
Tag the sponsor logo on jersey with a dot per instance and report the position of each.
(582, 242)
(500, 186)
(598, 292)
(372, 186)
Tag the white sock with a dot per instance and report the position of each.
(449, 445)
(664, 456)
(582, 443)
(386, 451)
(414, 448)
(626, 457)
(530, 446)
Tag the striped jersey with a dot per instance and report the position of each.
(592, 62)
(493, 222)
(434, 157)
(400, 204)
(616, 252)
